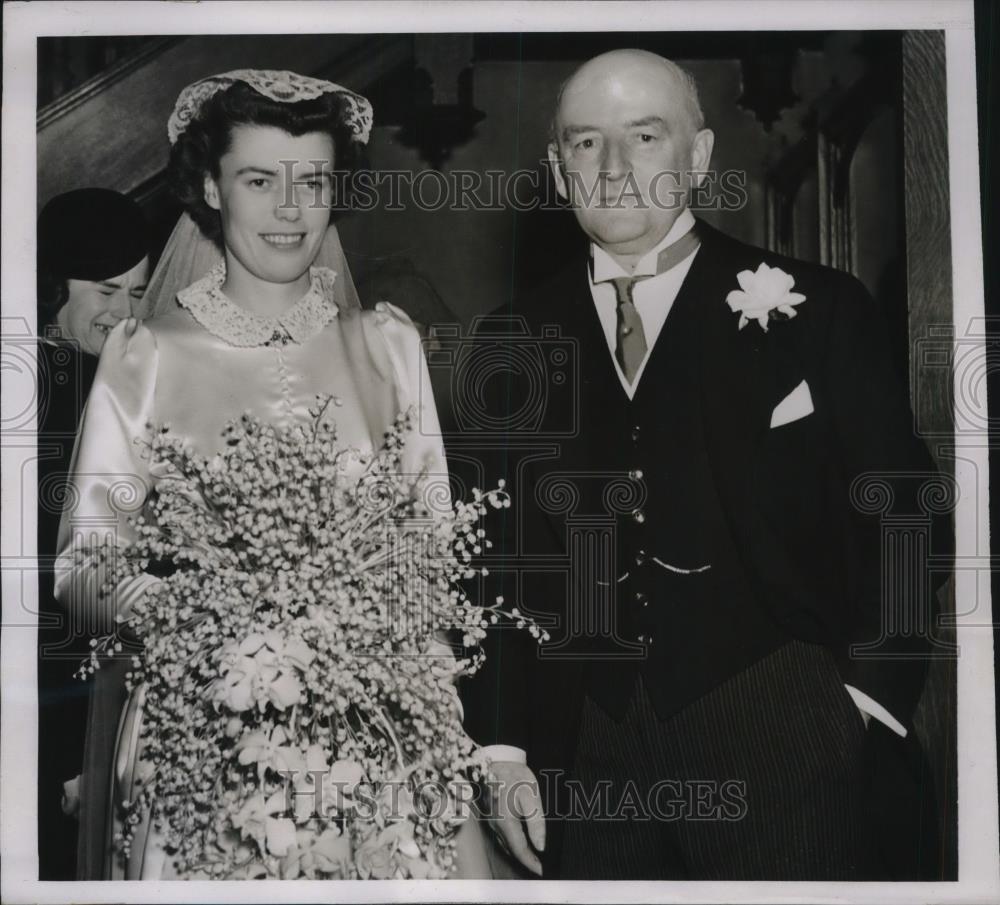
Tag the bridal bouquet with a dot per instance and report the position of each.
(300, 717)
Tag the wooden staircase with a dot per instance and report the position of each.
(111, 130)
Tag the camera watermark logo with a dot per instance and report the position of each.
(507, 385)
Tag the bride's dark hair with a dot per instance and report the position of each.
(200, 147)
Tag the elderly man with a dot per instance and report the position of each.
(703, 709)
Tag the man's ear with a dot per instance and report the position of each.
(556, 164)
(212, 194)
(701, 154)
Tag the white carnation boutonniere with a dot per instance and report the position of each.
(762, 291)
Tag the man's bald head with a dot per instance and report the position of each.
(624, 66)
(628, 143)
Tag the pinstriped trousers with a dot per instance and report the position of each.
(761, 779)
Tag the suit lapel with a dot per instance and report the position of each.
(601, 414)
(601, 393)
(735, 375)
(733, 364)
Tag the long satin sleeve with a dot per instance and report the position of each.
(424, 451)
(109, 476)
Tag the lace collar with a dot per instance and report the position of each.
(223, 318)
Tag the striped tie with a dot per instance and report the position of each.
(631, 345)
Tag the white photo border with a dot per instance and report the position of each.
(979, 845)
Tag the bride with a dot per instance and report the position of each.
(263, 328)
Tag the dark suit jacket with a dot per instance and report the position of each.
(805, 504)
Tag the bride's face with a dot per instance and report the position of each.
(273, 196)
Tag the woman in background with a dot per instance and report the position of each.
(93, 264)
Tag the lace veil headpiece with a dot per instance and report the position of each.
(277, 84)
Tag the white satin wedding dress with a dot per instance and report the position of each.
(201, 363)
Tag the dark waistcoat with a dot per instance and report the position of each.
(658, 588)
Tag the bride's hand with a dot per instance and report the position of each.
(517, 807)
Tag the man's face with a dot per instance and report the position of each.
(94, 307)
(625, 147)
(273, 196)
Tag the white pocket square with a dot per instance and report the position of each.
(797, 404)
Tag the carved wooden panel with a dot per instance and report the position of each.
(836, 232)
(928, 226)
(929, 284)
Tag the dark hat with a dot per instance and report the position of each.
(91, 234)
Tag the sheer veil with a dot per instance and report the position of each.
(189, 255)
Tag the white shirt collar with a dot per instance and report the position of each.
(607, 268)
